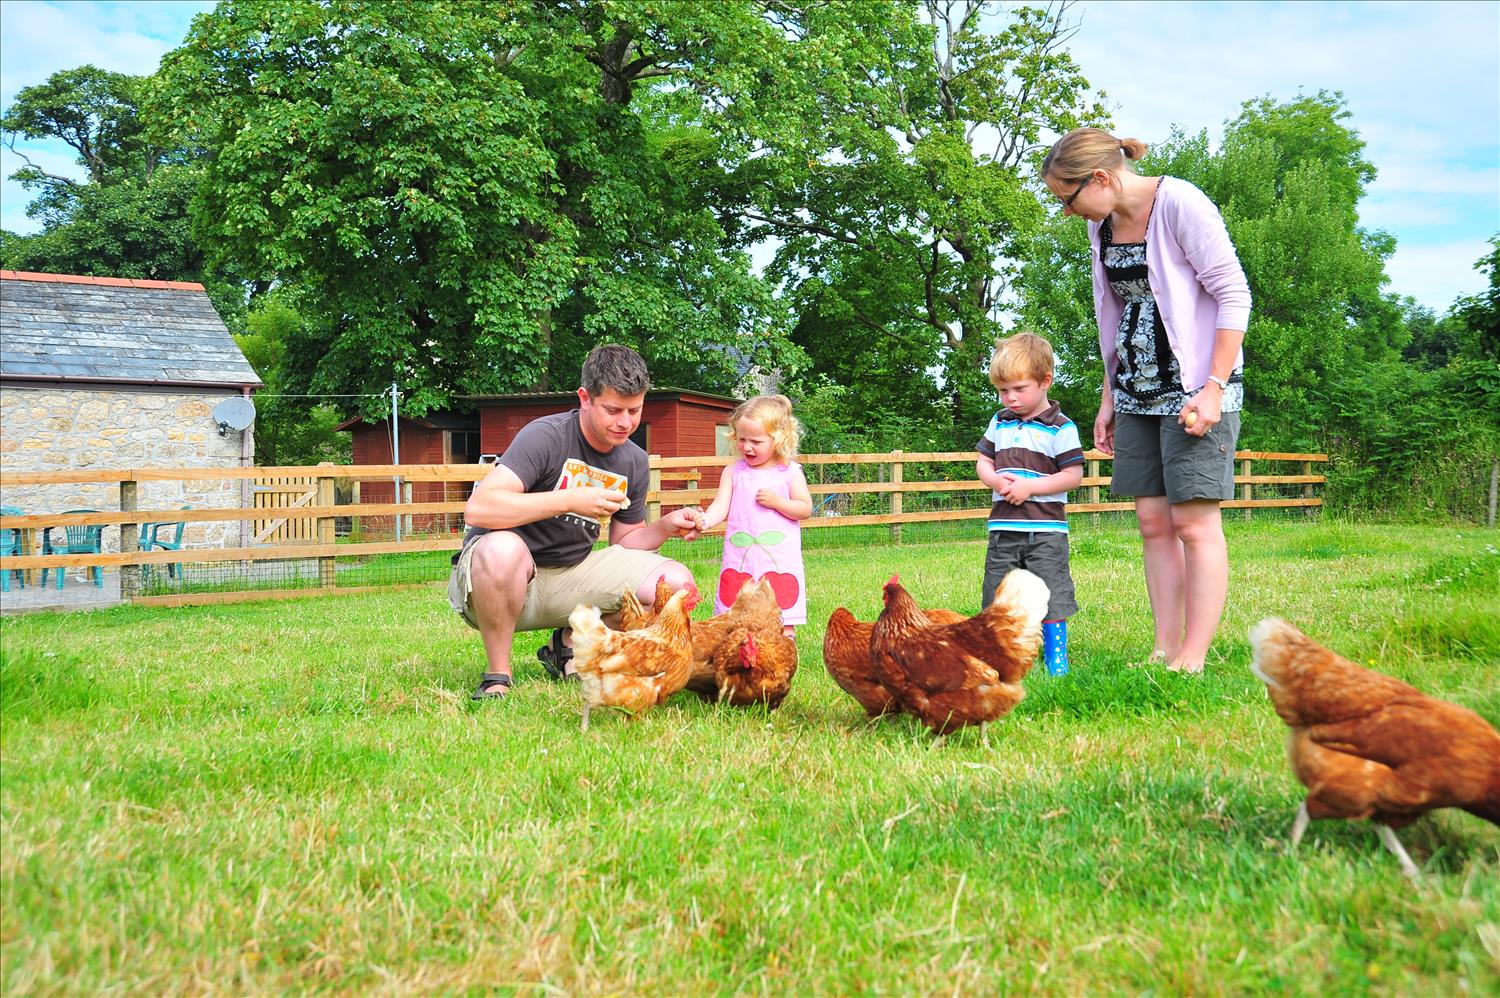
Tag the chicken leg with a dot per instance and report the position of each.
(1387, 838)
(1300, 825)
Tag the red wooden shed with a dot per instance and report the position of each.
(674, 422)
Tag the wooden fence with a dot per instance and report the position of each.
(281, 493)
(675, 482)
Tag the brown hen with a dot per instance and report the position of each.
(968, 672)
(754, 609)
(1369, 746)
(846, 655)
(755, 666)
(634, 670)
(633, 616)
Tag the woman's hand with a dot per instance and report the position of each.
(1202, 411)
(1104, 425)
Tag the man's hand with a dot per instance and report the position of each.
(596, 503)
(686, 523)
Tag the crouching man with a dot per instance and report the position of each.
(528, 556)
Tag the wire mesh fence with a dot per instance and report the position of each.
(303, 531)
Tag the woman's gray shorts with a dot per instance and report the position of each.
(1156, 456)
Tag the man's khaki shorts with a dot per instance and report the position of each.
(599, 580)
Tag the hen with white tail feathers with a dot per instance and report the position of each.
(967, 672)
(634, 670)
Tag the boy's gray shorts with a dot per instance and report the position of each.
(1156, 456)
(1044, 553)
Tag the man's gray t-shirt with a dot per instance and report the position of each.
(552, 453)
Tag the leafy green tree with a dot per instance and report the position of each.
(478, 192)
(94, 111)
(1288, 178)
(1056, 300)
(910, 184)
(289, 430)
(129, 217)
(1479, 315)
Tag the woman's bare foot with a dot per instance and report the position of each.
(1183, 665)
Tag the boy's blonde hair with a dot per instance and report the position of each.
(774, 412)
(1024, 355)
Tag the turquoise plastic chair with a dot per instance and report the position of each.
(10, 544)
(78, 539)
(151, 538)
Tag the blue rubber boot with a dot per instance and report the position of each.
(1055, 646)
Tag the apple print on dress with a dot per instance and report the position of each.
(783, 584)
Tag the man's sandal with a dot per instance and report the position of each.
(555, 656)
(492, 685)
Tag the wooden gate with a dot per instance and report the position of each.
(284, 493)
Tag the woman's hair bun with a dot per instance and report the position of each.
(1133, 148)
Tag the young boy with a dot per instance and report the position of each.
(1030, 456)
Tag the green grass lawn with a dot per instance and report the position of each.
(301, 797)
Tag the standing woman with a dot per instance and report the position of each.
(1172, 304)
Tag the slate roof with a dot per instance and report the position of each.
(71, 328)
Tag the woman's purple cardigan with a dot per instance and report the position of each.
(1194, 274)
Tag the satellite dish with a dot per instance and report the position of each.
(234, 413)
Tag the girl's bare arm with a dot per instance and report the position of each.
(718, 510)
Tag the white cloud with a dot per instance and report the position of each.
(1408, 212)
(38, 39)
(1431, 63)
(1436, 275)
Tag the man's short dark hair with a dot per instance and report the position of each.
(612, 366)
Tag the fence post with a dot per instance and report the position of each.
(898, 468)
(1246, 489)
(1307, 490)
(1094, 494)
(1494, 486)
(653, 485)
(130, 541)
(327, 570)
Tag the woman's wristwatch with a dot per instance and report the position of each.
(1223, 384)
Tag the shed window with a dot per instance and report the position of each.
(463, 446)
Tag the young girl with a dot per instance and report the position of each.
(763, 497)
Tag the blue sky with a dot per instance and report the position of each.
(1422, 80)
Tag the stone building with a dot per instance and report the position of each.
(105, 373)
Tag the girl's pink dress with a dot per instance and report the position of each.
(760, 542)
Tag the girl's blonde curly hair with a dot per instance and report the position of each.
(774, 412)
